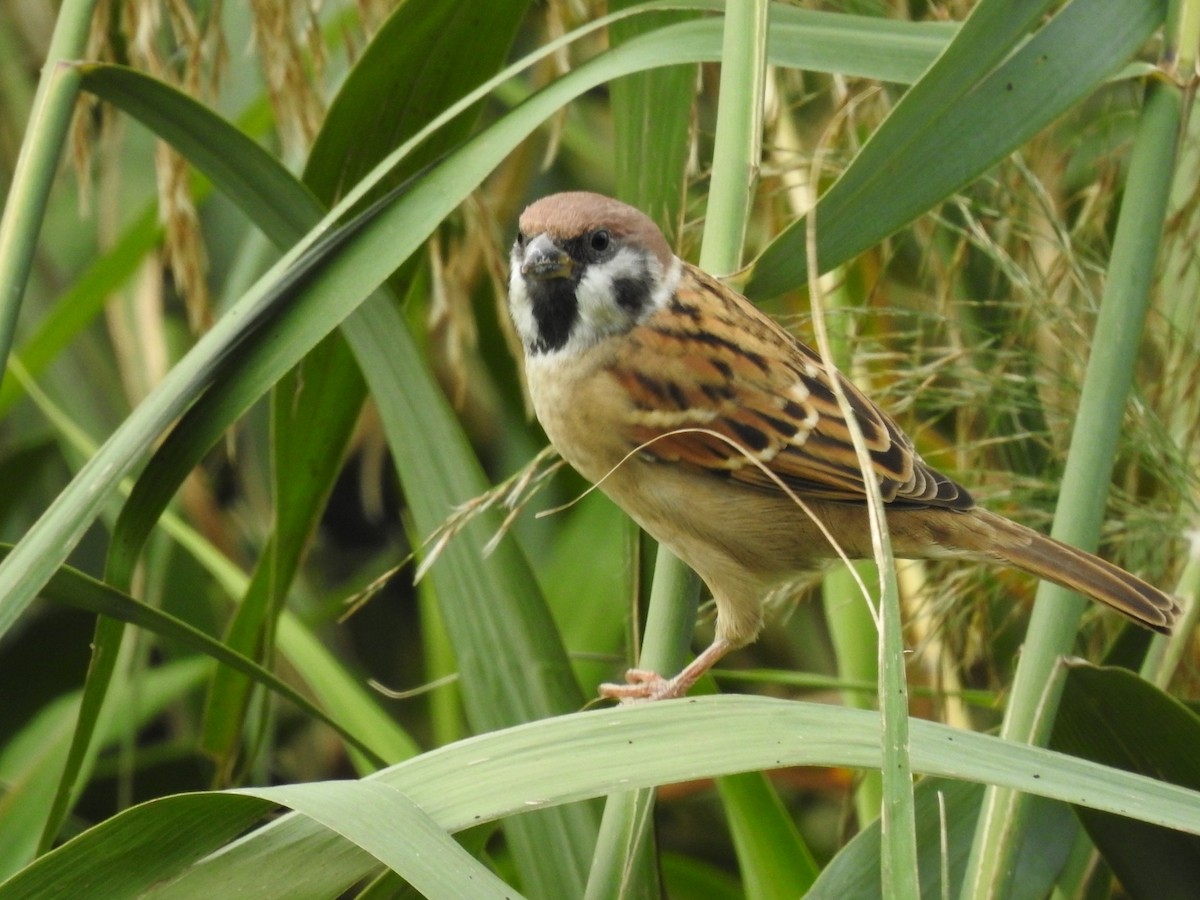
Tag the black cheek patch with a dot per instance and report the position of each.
(555, 310)
(632, 294)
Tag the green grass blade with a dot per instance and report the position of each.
(626, 831)
(41, 149)
(73, 588)
(938, 140)
(420, 61)
(773, 859)
(652, 125)
(1112, 716)
(1081, 504)
(114, 860)
(32, 758)
(946, 815)
(572, 757)
(321, 396)
(412, 845)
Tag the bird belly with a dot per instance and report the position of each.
(743, 541)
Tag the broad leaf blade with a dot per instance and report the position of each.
(1112, 716)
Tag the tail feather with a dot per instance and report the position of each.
(1079, 571)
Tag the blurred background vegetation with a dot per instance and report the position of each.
(971, 325)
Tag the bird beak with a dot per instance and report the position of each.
(544, 260)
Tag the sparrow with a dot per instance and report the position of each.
(720, 434)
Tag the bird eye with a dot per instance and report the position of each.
(600, 240)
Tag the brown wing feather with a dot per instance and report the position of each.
(757, 386)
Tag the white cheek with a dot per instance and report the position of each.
(521, 307)
(667, 284)
(598, 309)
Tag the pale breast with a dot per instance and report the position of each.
(581, 409)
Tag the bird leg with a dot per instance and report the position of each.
(643, 684)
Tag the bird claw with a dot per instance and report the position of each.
(640, 685)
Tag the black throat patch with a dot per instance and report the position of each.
(555, 309)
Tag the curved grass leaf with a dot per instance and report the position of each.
(74, 588)
(773, 858)
(422, 59)
(652, 125)
(424, 855)
(937, 140)
(32, 758)
(570, 758)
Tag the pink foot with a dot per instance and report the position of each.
(641, 685)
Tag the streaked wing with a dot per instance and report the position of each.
(700, 381)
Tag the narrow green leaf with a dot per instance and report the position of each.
(422, 59)
(412, 844)
(313, 411)
(936, 142)
(125, 855)
(102, 667)
(31, 760)
(652, 128)
(773, 859)
(41, 149)
(73, 588)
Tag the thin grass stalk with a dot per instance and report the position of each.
(671, 617)
(774, 861)
(848, 614)
(1080, 510)
(37, 162)
(737, 148)
(1183, 38)
(625, 828)
(898, 845)
(772, 857)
